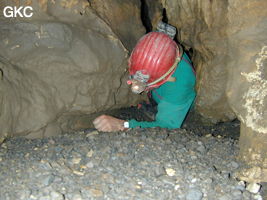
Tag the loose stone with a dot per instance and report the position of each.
(253, 187)
(194, 194)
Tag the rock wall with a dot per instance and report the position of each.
(247, 82)
(62, 61)
(123, 17)
(229, 41)
(201, 27)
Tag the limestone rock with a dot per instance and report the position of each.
(62, 60)
(227, 40)
(124, 17)
(247, 84)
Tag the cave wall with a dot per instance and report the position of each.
(201, 28)
(123, 17)
(247, 83)
(63, 61)
(229, 41)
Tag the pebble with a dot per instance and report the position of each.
(234, 164)
(96, 192)
(201, 149)
(47, 180)
(241, 186)
(167, 180)
(246, 195)
(58, 179)
(79, 173)
(253, 187)
(193, 180)
(208, 180)
(170, 171)
(56, 195)
(76, 196)
(225, 197)
(24, 194)
(176, 187)
(258, 197)
(237, 194)
(158, 171)
(90, 164)
(90, 153)
(45, 198)
(76, 160)
(92, 133)
(194, 194)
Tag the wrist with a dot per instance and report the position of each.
(126, 124)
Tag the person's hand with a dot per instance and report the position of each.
(108, 123)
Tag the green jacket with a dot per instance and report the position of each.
(174, 98)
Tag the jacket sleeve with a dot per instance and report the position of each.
(169, 115)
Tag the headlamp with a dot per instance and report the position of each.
(138, 81)
(137, 86)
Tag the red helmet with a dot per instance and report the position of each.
(153, 60)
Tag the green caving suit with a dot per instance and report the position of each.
(174, 99)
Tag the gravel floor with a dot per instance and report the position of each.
(192, 163)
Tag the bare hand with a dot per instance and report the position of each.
(108, 123)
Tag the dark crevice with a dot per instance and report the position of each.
(190, 53)
(164, 16)
(145, 16)
(146, 21)
(2, 74)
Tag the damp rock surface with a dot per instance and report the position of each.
(144, 164)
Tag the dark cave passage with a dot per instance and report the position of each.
(145, 16)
